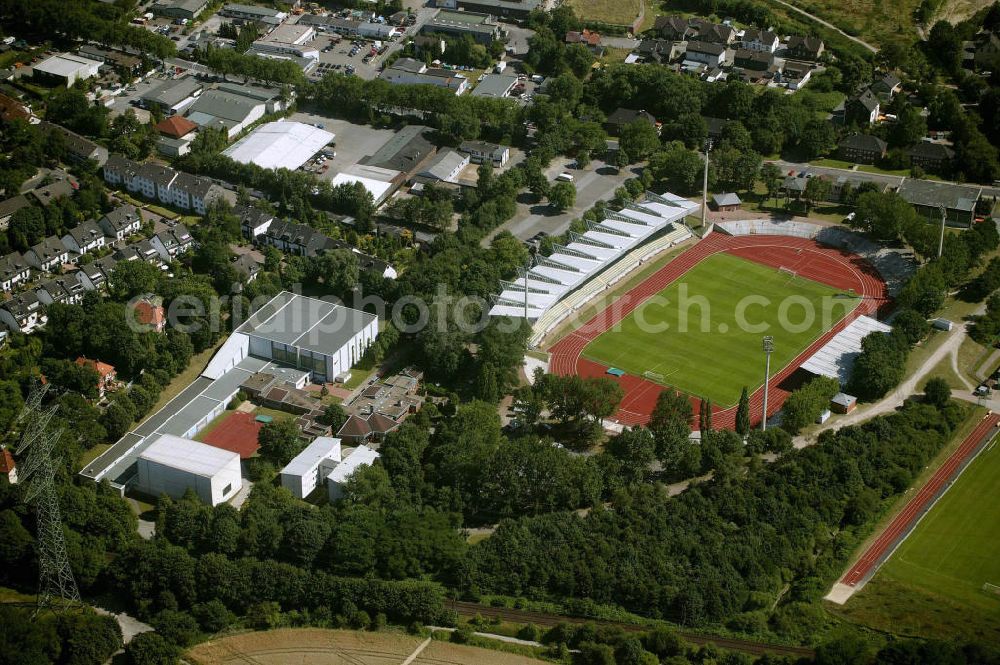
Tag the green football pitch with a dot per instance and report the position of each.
(693, 335)
(953, 551)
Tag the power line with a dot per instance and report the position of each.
(55, 577)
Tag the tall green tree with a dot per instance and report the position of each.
(743, 414)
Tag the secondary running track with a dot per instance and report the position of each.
(808, 258)
(910, 515)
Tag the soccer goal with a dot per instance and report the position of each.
(992, 589)
(788, 271)
(654, 376)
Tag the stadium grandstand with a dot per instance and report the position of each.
(552, 278)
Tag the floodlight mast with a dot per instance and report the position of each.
(768, 346)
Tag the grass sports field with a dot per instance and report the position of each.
(953, 550)
(716, 360)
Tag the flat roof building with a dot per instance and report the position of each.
(179, 8)
(253, 13)
(359, 457)
(495, 85)
(173, 96)
(306, 470)
(483, 28)
(65, 69)
(280, 145)
(928, 197)
(171, 465)
(287, 40)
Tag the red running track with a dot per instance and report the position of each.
(907, 519)
(806, 257)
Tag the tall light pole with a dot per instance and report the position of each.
(944, 218)
(768, 349)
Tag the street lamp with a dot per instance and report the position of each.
(704, 189)
(768, 350)
(944, 218)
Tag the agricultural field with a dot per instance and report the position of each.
(616, 12)
(703, 350)
(933, 584)
(341, 647)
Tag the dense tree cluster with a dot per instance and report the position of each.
(721, 550)
(805, 404)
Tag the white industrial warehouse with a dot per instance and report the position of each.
(280, 145)
(588, 254)
(171, 465)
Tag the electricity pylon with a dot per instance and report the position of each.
(55, 578)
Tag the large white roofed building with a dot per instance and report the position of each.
(171, 465)
(66, 69)
(280, 145)
(306, 470)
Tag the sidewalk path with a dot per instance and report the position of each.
(827, 24)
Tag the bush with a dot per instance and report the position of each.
(937, 392)
(805, 405)
(150, 649)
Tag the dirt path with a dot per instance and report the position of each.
(827, 24)
(895, 399)
(416, 652)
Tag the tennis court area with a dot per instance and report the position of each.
(702, 333)
(235, 431)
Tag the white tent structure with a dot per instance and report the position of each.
(279, 145)
(588, 254)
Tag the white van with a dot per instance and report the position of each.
(565, 177)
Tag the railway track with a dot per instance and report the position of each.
(544, 619)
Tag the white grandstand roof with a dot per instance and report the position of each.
(278, 145)
(837, 356)
(570, 266)
(196, 458)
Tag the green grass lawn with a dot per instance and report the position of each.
(608, 11)
(953, 550)
(704, 351)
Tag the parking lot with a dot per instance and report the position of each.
(353, 141)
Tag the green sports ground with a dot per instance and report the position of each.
(702, 350)
(953, 551)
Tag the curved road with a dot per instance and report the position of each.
(827, 24)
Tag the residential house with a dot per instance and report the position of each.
(712, 33)
(707, 53)
(172, 243)
(592, 40)
(481, 151)
(298, 239)
(65, 290)
(95, 275)
(795, 74)
(63, 187)
(253, 221)
(9, 207)
(143, 250)
(861, 149)
(8, 468)
(928, 197)
(128, 65)
(247, 267)
(122, 222)
(623, 116)
(86, 237)
(47, 255)
(862, 109)
(660, 51)
(162, 183)
(806, 48)
(14, 270)
(987, 51)
(760, 40)
(23, 312)
(149, 313)
(673, 28)
(78, 149)
(106, 375)
(758, 61)
(930, 156)
(887, 86)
